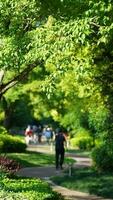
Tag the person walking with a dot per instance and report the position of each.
(28, 134)
(35, 136)
(39, 130)
(60, 142)
(47, 134)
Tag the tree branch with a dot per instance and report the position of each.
(94, 24)
(21, 76)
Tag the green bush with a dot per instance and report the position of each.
(98, 142)
(1, 146)
(11, 144)
(82, 140)
(3, 130)
(102, 157)
(83, 143)
(26, 188)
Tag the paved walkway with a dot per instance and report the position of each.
(46, 172)
(81, 161)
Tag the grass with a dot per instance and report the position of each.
(79, 152)
(34, 159)
(87, 180)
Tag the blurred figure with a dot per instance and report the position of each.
(35, 134)
(60, 142)
(47, 133)
(28, 134)
(39, 132)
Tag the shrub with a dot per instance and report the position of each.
(11, 144)
(82, 140)
(8, 165)
(1, 146)
(3, 130)
(83, 143)
(102, 157)
(26, 188)
(98, 142)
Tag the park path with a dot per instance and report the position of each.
(82, 161)
(46, 172)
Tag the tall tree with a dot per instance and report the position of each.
(72, 40)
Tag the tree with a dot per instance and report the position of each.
(71, 41)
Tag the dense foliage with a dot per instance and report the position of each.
(26, 188)
(66, 46)
(10, 143)
(83, 140)
(103, 157)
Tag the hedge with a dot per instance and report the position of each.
(10, 143)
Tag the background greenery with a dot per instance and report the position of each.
(56, 66)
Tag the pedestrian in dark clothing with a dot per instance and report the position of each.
(59, 149)
(39, 131)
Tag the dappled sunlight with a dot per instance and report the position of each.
(32, 159)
